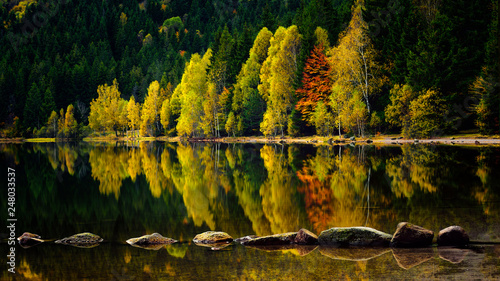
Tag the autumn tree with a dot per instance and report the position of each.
(150, 114)
(247, 104)
(278, 75)
(316, 85)
(133, 114)
(52, 124)
(353, 59)
(104, 110)
(187, 98)
(398, 111)
(165, 116)
(427, 114)
(323, 119)
(70, 123)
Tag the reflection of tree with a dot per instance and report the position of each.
(487, 193)
(188, 177)
(337, 191)
(151, 167)
(247, 178)
(314, 176)
(278, 191)
(415, 169)
(109, 168)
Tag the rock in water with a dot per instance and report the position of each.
(410, 235)
(453, 236)
(29, 239)
(152, 239)
(272, 240)
(354, 236)
(245, 238)
(212, 237)
(85, 239)
(306, 237)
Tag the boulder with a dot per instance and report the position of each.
(453, 236)
(29, 239)
(305, 237)
(84, 240)
(410, 235)
(151, 239)
(272, 240)
(352, 138)
(354, 236)
(369, 141)
(212, 237)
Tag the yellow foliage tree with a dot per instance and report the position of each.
(104, 111)
(278, 76)
(133, 114)
(188, 96)
(150, 114)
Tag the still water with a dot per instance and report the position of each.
(124, 190)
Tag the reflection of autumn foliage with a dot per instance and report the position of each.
(151, 168)
(188, 178)
(109, 168)
(337, 190)
(414, 169)
(318, 199)
(486, 194)
(278, 192)
(247, 188)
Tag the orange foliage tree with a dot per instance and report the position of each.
(316, 84)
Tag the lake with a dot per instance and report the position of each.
(124, 190)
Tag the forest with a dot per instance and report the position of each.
(217, 68)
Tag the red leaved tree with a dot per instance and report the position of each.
(316, 85)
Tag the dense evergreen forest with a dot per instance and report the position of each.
(248, 67)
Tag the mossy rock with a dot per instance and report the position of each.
(212, 237)
(85, 239)
(151, 239)
(354, 236)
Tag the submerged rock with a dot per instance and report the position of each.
(298, 250)
(29, 239)
(453, 236)
(353, 253)
(272, 240)
(453, 255)
(354, 236)
(245, 238)
(410, 235)
(152, 239)
(215, 246)
(85, 239)
(408, 258)
(212, 237)
(305, 237)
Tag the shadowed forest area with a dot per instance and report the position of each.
(422, 68)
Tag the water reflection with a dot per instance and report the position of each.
(180, 190)
(260, 189)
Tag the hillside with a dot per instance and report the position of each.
(401, 65)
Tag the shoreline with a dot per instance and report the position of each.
(313, 140)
